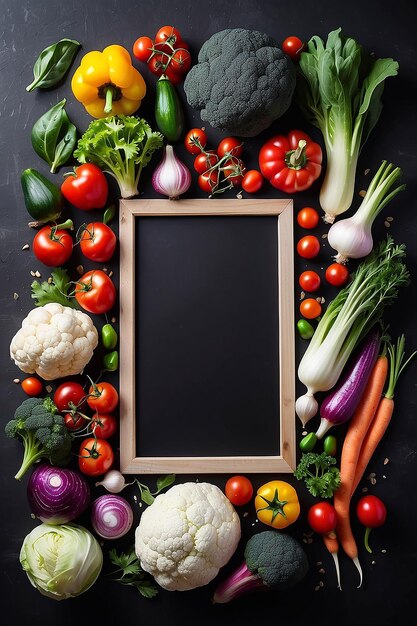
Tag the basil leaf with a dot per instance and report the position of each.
(164, 481)
(53, 63)
(54, 136)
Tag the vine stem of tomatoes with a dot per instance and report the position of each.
(154, 51)
(233, 167)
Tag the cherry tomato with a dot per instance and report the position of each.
(194, 140)
(204, 161)
(310, 308)
(87, 188)
(322, 518)
(252, 181)
(158, 64)
(293, 46)
(371, 511)
(337, 274)
(308, 247)
(239, 490)
(234, 171)
(309, 280)
(308, 217)
(103, 426)
(208, 181)
(180, 61)
(167, 38)
(230, 146)
(173, 76)
(98, 242)
(142, 48)
(95, 292)
(95, 456)
(70, 399)
(103, 398)
(52, 246)
(32, 386)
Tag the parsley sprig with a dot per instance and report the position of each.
(319, 473)
(131, 573)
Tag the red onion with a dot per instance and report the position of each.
(171, 177)
(111, 516)
(57, 495)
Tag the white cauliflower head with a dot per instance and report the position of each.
(186, 535)
(54, 341)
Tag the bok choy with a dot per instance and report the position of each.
(347, 319)
(339, 90)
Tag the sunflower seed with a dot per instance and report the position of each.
(373, 562)
(362, 193)
(366, 172)
(384, 551)
(26, 246)
(15, 296)
(16, 380)
(37, 274)
(386, 461)
(317, 588)
(113, 320)
(322, 570)
(324, 236)
(110, 273)
(32, 273)
(390, 219)
(387, 224)
(365, 489)
(302, 295)
(80, 269)
(48, 388)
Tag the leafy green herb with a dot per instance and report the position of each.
(121, 145)
(319, 473)
(53, 290)
(162, 482)
(53, 63)
(131, 573)
(54, 136)
(109, 214)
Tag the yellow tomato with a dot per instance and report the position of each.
(277, 504)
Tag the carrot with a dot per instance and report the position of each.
(332, 545)
(384, 411)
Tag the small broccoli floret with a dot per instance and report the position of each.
(272, 560)
(241, 83)
(42, 432)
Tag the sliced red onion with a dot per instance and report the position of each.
(57, 495)
(111, 516)
(171, 176)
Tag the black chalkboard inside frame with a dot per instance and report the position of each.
(206, 368)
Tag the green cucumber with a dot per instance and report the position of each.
(169, 114)
(44, 200)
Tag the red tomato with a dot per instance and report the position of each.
(87, 188)
(32, 386)
(308, 247)
(157, 64)
(95, 292)
(293, 46)
(230, 146)
(239, 490)
(180, 61)
(103, 398)
(337, 274)
(371, 511)
(252, 181)
(209, 181)
(204, 161)
(69, 398)
(142, 48)
(173, 76)
(234, 171)
(103, 426)
(195, 140)
(95, 456)
(98, 242)
(308, 218)
(309, 280)
(167, 38)
(310, 308)
(322, 518)
(52, 246)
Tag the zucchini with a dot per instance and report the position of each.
(44, 200)
(169, 114)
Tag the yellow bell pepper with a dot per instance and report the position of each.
(106, 83)
(277, 504)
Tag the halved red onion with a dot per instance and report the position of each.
(57, 495)
(111, 516)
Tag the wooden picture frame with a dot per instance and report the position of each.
(285, 459)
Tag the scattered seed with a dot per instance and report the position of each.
(322, 300)
(239, 195)
(37, 274)
(373, 562)
(319, 562)
(245, 514)
(113, 319)
(15, 296)
(105, 270)
(371, 475)
(362, 193)
(366, 172)
(373, 481)
(48, 388)
(302, 295)
(110, 273)
(321, 583)
(390, 219)
(32, 273)
(80, 269)
(49, 281)
(322, 570)
(365, 489)
(386, 461)
(304, 538)
(387, 224)
(383, 476)
(317, 588)
(33, 516)
(309, 540)
(384, 551)
(16, 380)
(324, 236)
(318, 299)
(135, 499)
(26, 246)
(304, 433)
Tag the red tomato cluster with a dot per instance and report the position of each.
(166, 54)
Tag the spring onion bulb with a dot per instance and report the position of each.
(352, 237)
(111, 516)
(171, 176)
(348, 318)
(113, 481)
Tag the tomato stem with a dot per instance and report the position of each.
(366, 541)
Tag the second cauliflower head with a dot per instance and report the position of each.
(242, 82)
(54, 341)
(187, 535)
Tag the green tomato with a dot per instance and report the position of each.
(305, 329)
(330, 445)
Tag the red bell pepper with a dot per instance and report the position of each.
(291, 163)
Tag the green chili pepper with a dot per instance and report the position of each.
(109, 337)
(305, 329)
(330, 445)
(308, 442)
(111, 361)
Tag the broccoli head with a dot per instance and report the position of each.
(241, 83)
(42, 432)
(272, 560)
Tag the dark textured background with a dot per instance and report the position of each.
(387, 29)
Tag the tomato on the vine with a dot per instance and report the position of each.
(173, 76)
(230, 146)
(167, 38)
(142, 48)
(239, 490)
(205, 160)
(309, 280)
(308, 217)
(157, 64)
(234, 170)
(310, 308)
(103, 425)
(70, 399)
(98, 242)
(103, 397)
(180, 61)
(372, 513)
(308, 247)
(52, 245)
(95, 456)
(293, 46)
(95, 292)
(32, 386)
(194, 140)
(208, 181)
(322, 518)
(337, 274)
(252, 181)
